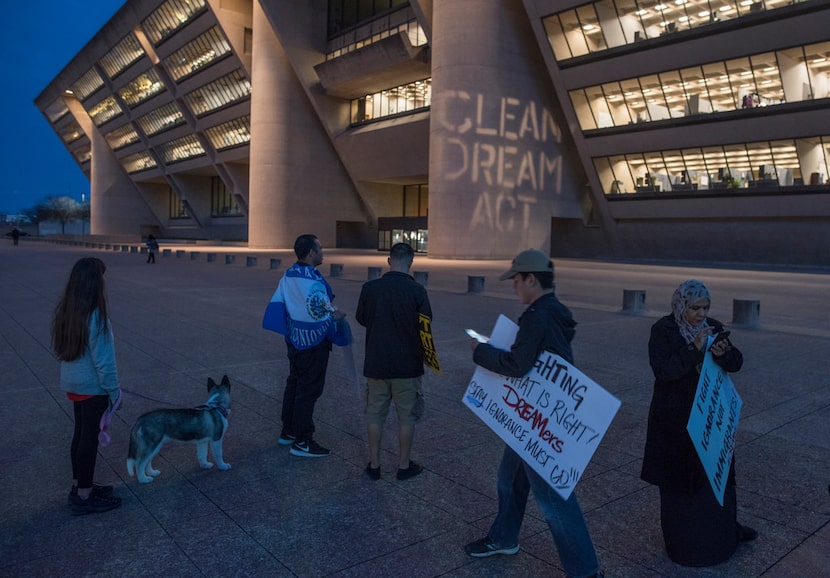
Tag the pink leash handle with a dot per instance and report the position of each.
(104, 437)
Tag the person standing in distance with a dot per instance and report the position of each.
(83, 342)
(546, 325)
(389, 309)
(301, 309)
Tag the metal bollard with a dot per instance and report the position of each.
(250, 261)
(374, 273)
(166, 252)
(211, 257)
(746, 312)
(230, 259)
(194, 255)
(475, 284)
(276, 263)
(634, 300)
(421, 277)
(336, 270)
(180, 253)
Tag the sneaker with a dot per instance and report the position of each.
(485, 547)
(746, 534)
(93, 505)
(309, 449)
(374, 473)
(410, 472)
(286, 439)
(97, 490)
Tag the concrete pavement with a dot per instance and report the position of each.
(185, 319)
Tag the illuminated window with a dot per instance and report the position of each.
(121, 137)
(192, 57)
(161, 119)
(181, 149)
(138, 162)
(178, 210)
(83, 154)
(402, 99)
(169, 17)
(71, 132)
(226, 90)
(121, 56)
(230, 134)
(105, 110)
(143, 87)
(222, 202)
(87, 84)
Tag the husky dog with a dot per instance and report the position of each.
(204, 425)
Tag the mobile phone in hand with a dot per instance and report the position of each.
(721, 336)
(477, 336)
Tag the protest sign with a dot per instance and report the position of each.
(554, 417)
(713, 422)
(430, 354)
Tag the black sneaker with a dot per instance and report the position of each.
(309, 449)
(93, 505)
(286, 439)
(485, 547)
(96, 491)
(746, 534)
(410, 472)
(373, 473)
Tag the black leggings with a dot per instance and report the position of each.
(84, 449)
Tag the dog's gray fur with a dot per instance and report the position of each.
(205, 425)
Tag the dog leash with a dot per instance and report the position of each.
(104, 437)
(146, 397)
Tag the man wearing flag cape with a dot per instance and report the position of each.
(301, 309)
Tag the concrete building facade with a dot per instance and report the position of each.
(685, 129)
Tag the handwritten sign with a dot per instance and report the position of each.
(554, 417)
(713, 422)
(430, 354)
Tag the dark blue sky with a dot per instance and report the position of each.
(37, 39)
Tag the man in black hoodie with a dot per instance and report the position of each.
(546, 325)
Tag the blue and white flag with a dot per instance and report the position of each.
(301, 308)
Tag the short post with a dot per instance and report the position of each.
(166, 252)
(336, 270)
(230, 259)
(211, 257)
(275, 263)
(475, 284)
(125, 248)
(634, 300)
(250, 261)
(180, 253)
(374, 273)
(133, 249)
(116, 247)
(746, 312)
(142, 250)
(194, 255)
(421, 277)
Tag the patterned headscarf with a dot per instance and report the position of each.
(684, 297)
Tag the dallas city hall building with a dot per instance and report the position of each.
(665, 129)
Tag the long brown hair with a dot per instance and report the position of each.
(84, 293)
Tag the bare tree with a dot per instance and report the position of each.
(62, 209)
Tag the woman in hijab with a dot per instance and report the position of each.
(697, 530)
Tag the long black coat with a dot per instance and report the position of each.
(670, 460)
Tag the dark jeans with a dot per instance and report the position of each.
(84, 448)
(304, 386)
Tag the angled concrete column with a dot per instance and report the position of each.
(499, 167)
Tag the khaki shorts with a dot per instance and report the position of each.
(405, 392)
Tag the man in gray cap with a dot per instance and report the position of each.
(546, 325)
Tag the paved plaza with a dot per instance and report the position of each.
(190, 317)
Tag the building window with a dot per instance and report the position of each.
(71, 132)
(355, 31)
(56, 110)
(169, 17)
(761, 80)
(87, 84)
(403, 99)
(83, 154)
(142, 88)
(161, 119)
(757, 165)
(226, 90)
(121, 137)
(222, 202)
(138, 162)
(230, 134)
(192, 57)
(178, 210)
(415, 200)
(181, 149)
(121, 56)
(610, 23)
(105, 111)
